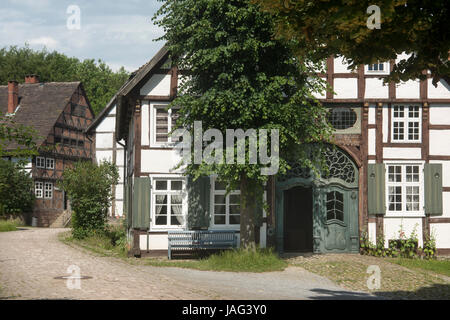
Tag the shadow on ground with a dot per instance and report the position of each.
(433, 292)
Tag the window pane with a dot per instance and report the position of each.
(176, 185)
(161, 210)
(176, 220)
(219, 199)
(219, 209)
(176, 199)
(176, 209)
(161, 199)
(161, 185)
(161, 220)
(219, 185)
(235, 209)
(219, 219)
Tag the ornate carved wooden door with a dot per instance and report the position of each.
(338, 220)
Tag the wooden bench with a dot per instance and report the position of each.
(200, 240)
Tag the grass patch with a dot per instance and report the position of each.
(262, 260)
(9, 225)
(436, 266)
(98, 243)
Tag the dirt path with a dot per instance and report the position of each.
(31, 259)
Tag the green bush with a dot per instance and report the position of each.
(89, 189)
(10, 224)
(402, 247)
(16, 189)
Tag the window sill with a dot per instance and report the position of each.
(225, 227)
(166, 228)
(404, 215)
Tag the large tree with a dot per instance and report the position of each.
(238, 76)
(417, 27)
(99, 81)
(16, 140)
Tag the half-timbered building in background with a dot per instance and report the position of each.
(60, 113)
(389, 169)
(108, 149)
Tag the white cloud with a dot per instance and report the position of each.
(48, 42)
(120, 33)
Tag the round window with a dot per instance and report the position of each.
(342, 118)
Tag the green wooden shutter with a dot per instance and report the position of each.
(141, 203)
(126, 204)
(376, 188)
(198, 202)
(433, 188)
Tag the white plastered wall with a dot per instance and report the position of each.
(104, 142)
(392, 227)
(158, 85)
(345, 88)
(376, 89)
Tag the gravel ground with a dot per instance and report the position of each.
(31, 259)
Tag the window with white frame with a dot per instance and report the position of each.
(164, 122)
(406, 121)
(38, 189)
(50, 163)
(226, 208)
(48, 191)
(404, 185)
(378, 67)
(40, 162)
(168, 203)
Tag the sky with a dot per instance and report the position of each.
(119, 32)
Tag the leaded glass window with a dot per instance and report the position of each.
(335, 206)
(342, 118)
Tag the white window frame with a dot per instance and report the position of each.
(227, 225)
(38, 160)
(52, 161)
(39, 189)
(50, 191)
(406, 120)
(153, 142)
(154, 193)
(385, 71)
(403, 213)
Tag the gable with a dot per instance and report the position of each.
(158, 85)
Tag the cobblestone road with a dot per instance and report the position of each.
(31, 259)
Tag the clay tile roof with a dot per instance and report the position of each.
(40, 104)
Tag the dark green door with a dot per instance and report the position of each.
(298, 223)
(338, 219)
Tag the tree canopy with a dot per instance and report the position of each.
(238, 76)
(99, 81)
(419, 28)
(16, 140)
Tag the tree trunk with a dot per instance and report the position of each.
(248, 210)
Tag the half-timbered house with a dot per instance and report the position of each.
(60, 113)
(390, 169)
(108, 149)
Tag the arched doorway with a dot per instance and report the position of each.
(319, 214)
